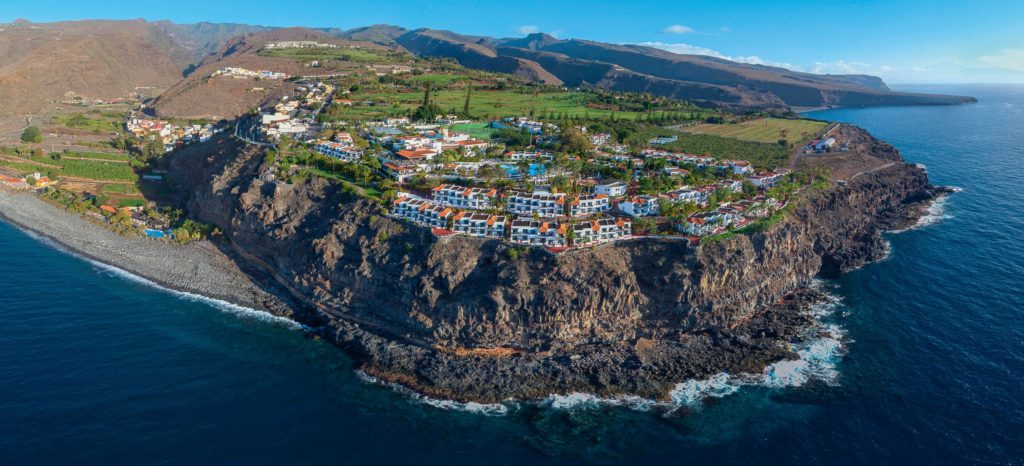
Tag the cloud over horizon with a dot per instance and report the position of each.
(528, 29)
(678, 29)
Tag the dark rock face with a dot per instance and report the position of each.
(456, 317)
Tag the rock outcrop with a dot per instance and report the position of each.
(461, 318)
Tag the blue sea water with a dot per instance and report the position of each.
(98, 368)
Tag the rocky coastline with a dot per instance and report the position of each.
(458, 318)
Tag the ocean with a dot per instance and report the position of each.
(920, 360)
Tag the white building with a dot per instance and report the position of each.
(541, 204)
(640, 206)
(588, 204)
(480, 225)
(611, 189)
(463, 197)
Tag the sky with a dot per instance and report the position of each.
(903, 41)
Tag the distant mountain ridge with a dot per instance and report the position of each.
(636, 68)
(41, 63)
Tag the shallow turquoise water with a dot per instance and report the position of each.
(96, 368)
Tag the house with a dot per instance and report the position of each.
(640, 206)
(698, 195)
(399, 172)
(418, 154)
(768, 180)
(542, 204)
(598, 139)
(611, 189)
(422, 211)
(480, 225)
(339, 151)
(538, 233)
(740, 167)
(599, 231)
(663, 140)
(825, 144)
(731, 185)
(528, 155)
(463, 197)
(588, 204)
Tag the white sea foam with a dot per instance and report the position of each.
(935, 213)
(241, 311)
(692, 392)
(487, 409)
(579, 400)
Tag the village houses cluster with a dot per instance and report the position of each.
(296, 116)
(172, 136)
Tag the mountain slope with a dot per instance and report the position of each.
(632, 67)
(473, 52)
(44, 63)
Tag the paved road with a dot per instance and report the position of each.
(247, 128)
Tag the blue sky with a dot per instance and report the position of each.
(911, 41)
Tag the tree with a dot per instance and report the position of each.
(574, 141)
(465, 106)
(749, 189)
(32, 135)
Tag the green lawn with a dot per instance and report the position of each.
(97, 155)
(341, 53)
(475, 130)
(484, 104)
(91, 121)
(768, 130)
(437, 80)
(119, 189)
(90, 169)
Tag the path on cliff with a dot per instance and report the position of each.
(882, 167)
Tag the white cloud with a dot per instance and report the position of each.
(1012, 59)
(528, 29)
(851, 67)
(725, 29)
(687, 49)
(678, 29)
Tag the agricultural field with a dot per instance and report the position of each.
(74, 164)
(93, 120)
(768, 130)
(436, 80)
(763, 155)
(484, 104)
(341, 54)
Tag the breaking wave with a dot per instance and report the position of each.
(818, 353)
(221, 305)
(487, 409)
(935, 213)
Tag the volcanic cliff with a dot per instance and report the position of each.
(461, 318)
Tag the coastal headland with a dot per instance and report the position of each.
(460, 318)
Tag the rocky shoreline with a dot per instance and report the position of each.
(199, 268)
(459, 319)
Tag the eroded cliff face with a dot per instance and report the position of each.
(457, 317)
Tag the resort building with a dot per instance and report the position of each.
(339, 151)
(480, 225)
(611, 189)
(588, 204)
(599, 231)
(541, 203)
(463, 197)
(538, 233)
(640, 206)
